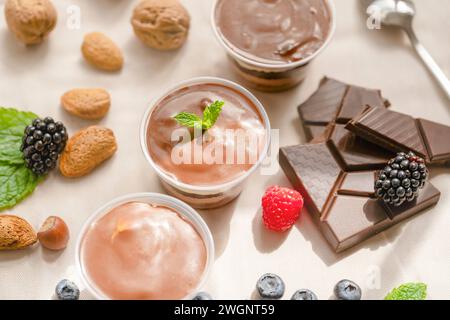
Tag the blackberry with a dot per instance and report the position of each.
(43, 141)
(402, 179)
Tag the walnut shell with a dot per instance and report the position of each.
(15, 233)
(86, 150)
(161, 24)
(30, 20)
(101, 52)
(90, 104)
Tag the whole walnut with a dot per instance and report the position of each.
(30, 20)
(161, 24)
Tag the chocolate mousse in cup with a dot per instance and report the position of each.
(144, 246)
(272, 42)
(210, 168)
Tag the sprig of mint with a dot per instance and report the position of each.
(210, 115)
(408, 291)
(16, 180)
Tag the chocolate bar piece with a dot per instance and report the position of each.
(355, 153)
(328, 109)
(398, 132)
(343, 203)
(336, 101)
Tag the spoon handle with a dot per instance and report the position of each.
(429, 62)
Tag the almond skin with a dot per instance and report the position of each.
(101, 52)
(15, 233)
(54, 233)
(30, 20)
(86, 150)
(90, 104)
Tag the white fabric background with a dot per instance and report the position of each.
(35, 78)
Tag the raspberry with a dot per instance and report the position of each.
(281, 208)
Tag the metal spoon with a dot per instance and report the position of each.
(400, 13)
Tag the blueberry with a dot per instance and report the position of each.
(270, 286)
(67, 290)
(347, 290)
(202, 296)
(304, 294)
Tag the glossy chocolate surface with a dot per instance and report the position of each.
(274, 31)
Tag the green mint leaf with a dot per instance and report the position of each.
(408, 291)
(211, 113)
(12, 126)
(16, 182)
(189, 120)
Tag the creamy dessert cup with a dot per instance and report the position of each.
(264, 74)
(99, 219)
(204, 190)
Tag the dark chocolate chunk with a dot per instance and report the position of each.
(355, 101)
(399, 132)
(323, 105)
(437, 139)
(427, 197)
(313, 131)
(352, 220)
(342, 203)
(358, 184)
(355, 153)
(311, 169)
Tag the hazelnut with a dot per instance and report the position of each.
(30, 20)
(54, 233)
(161, 24)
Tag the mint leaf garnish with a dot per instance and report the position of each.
(189, 120)
(210, 115)
(408, 291)
(16, 180)
(12, 125)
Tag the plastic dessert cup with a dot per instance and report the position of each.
(271, 77)
(213, 195)
(180, 207)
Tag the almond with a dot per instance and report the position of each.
(101, 52)
(15, 233)
(30, 20)
(86, 150)
(90, 104)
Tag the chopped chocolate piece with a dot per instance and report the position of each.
(354, 153)
(399, 132)
(336, 101)
(343, 203)
(437, 139)
(312, 170)
(352, 220)
(313, 131)
(427, 197)
(358, 184)
(392, 130)
(355, 101)
(323, 105)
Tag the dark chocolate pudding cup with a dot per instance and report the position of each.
(213, 194)
(265, 75)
